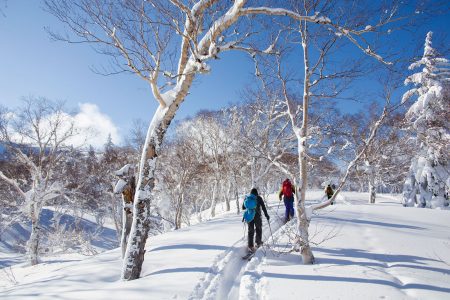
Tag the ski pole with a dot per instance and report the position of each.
(278, 216)
(271, 234)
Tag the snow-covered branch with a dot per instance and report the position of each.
(13, 183)
(285, 12)
(192, 24)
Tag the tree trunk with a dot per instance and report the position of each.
(127, 212)
(199, 212)
(227, 197)
(118, 220)
(134, 256)
(127, 220)
(372, 187)
(253, 172)
(302, 217)
(179, 212)
(214, 199)
(236, 195)
(372, 190)
(33, 243)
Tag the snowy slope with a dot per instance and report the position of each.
(14, 238)
(364, 252)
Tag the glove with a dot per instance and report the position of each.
(268, 217)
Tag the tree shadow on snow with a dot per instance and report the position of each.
(374, 223)
(386, 258)
(10, 261)
(190, 246)
(182, 270)
(358, 280)
(378, 260)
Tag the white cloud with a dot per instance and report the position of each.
(94, 127)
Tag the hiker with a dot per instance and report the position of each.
(253, 204)
(329, 192)
(287, 191)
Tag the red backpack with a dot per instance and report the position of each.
(287, 189)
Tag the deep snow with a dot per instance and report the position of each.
(13, 239)
(381, 251)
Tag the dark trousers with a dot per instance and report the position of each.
(255, 224)
(329, 196)
(289, 213)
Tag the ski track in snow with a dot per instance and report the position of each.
(231, 277)
(252, 284)
(221, 270)
(249, 288)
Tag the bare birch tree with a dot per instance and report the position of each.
(315, 72)
(37, 135)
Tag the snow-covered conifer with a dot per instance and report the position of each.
(428, 119)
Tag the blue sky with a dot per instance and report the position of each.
(33, 65)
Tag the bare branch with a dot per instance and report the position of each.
(13, 183)
(352, 164)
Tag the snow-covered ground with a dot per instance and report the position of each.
(381, 251)
(95, 238)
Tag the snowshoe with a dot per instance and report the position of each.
(250, 253)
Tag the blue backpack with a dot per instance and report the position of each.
(250, 205)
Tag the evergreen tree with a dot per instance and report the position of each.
(91, 161)
(428, 118)
(110, 155)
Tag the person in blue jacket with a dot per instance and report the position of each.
(256, 223)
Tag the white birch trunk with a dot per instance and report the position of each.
(118, 220)
(179, 211)
(127, 220)
(302, 217)
(372, 186)
(253, 172)
(134, 255)
(187, 68)
(127, 210)
(236, 195)
(227, 196)
(372, 190)
(214, 199)
(33, 242)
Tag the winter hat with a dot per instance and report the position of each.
(254, 191)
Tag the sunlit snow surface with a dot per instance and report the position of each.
(381, 251)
